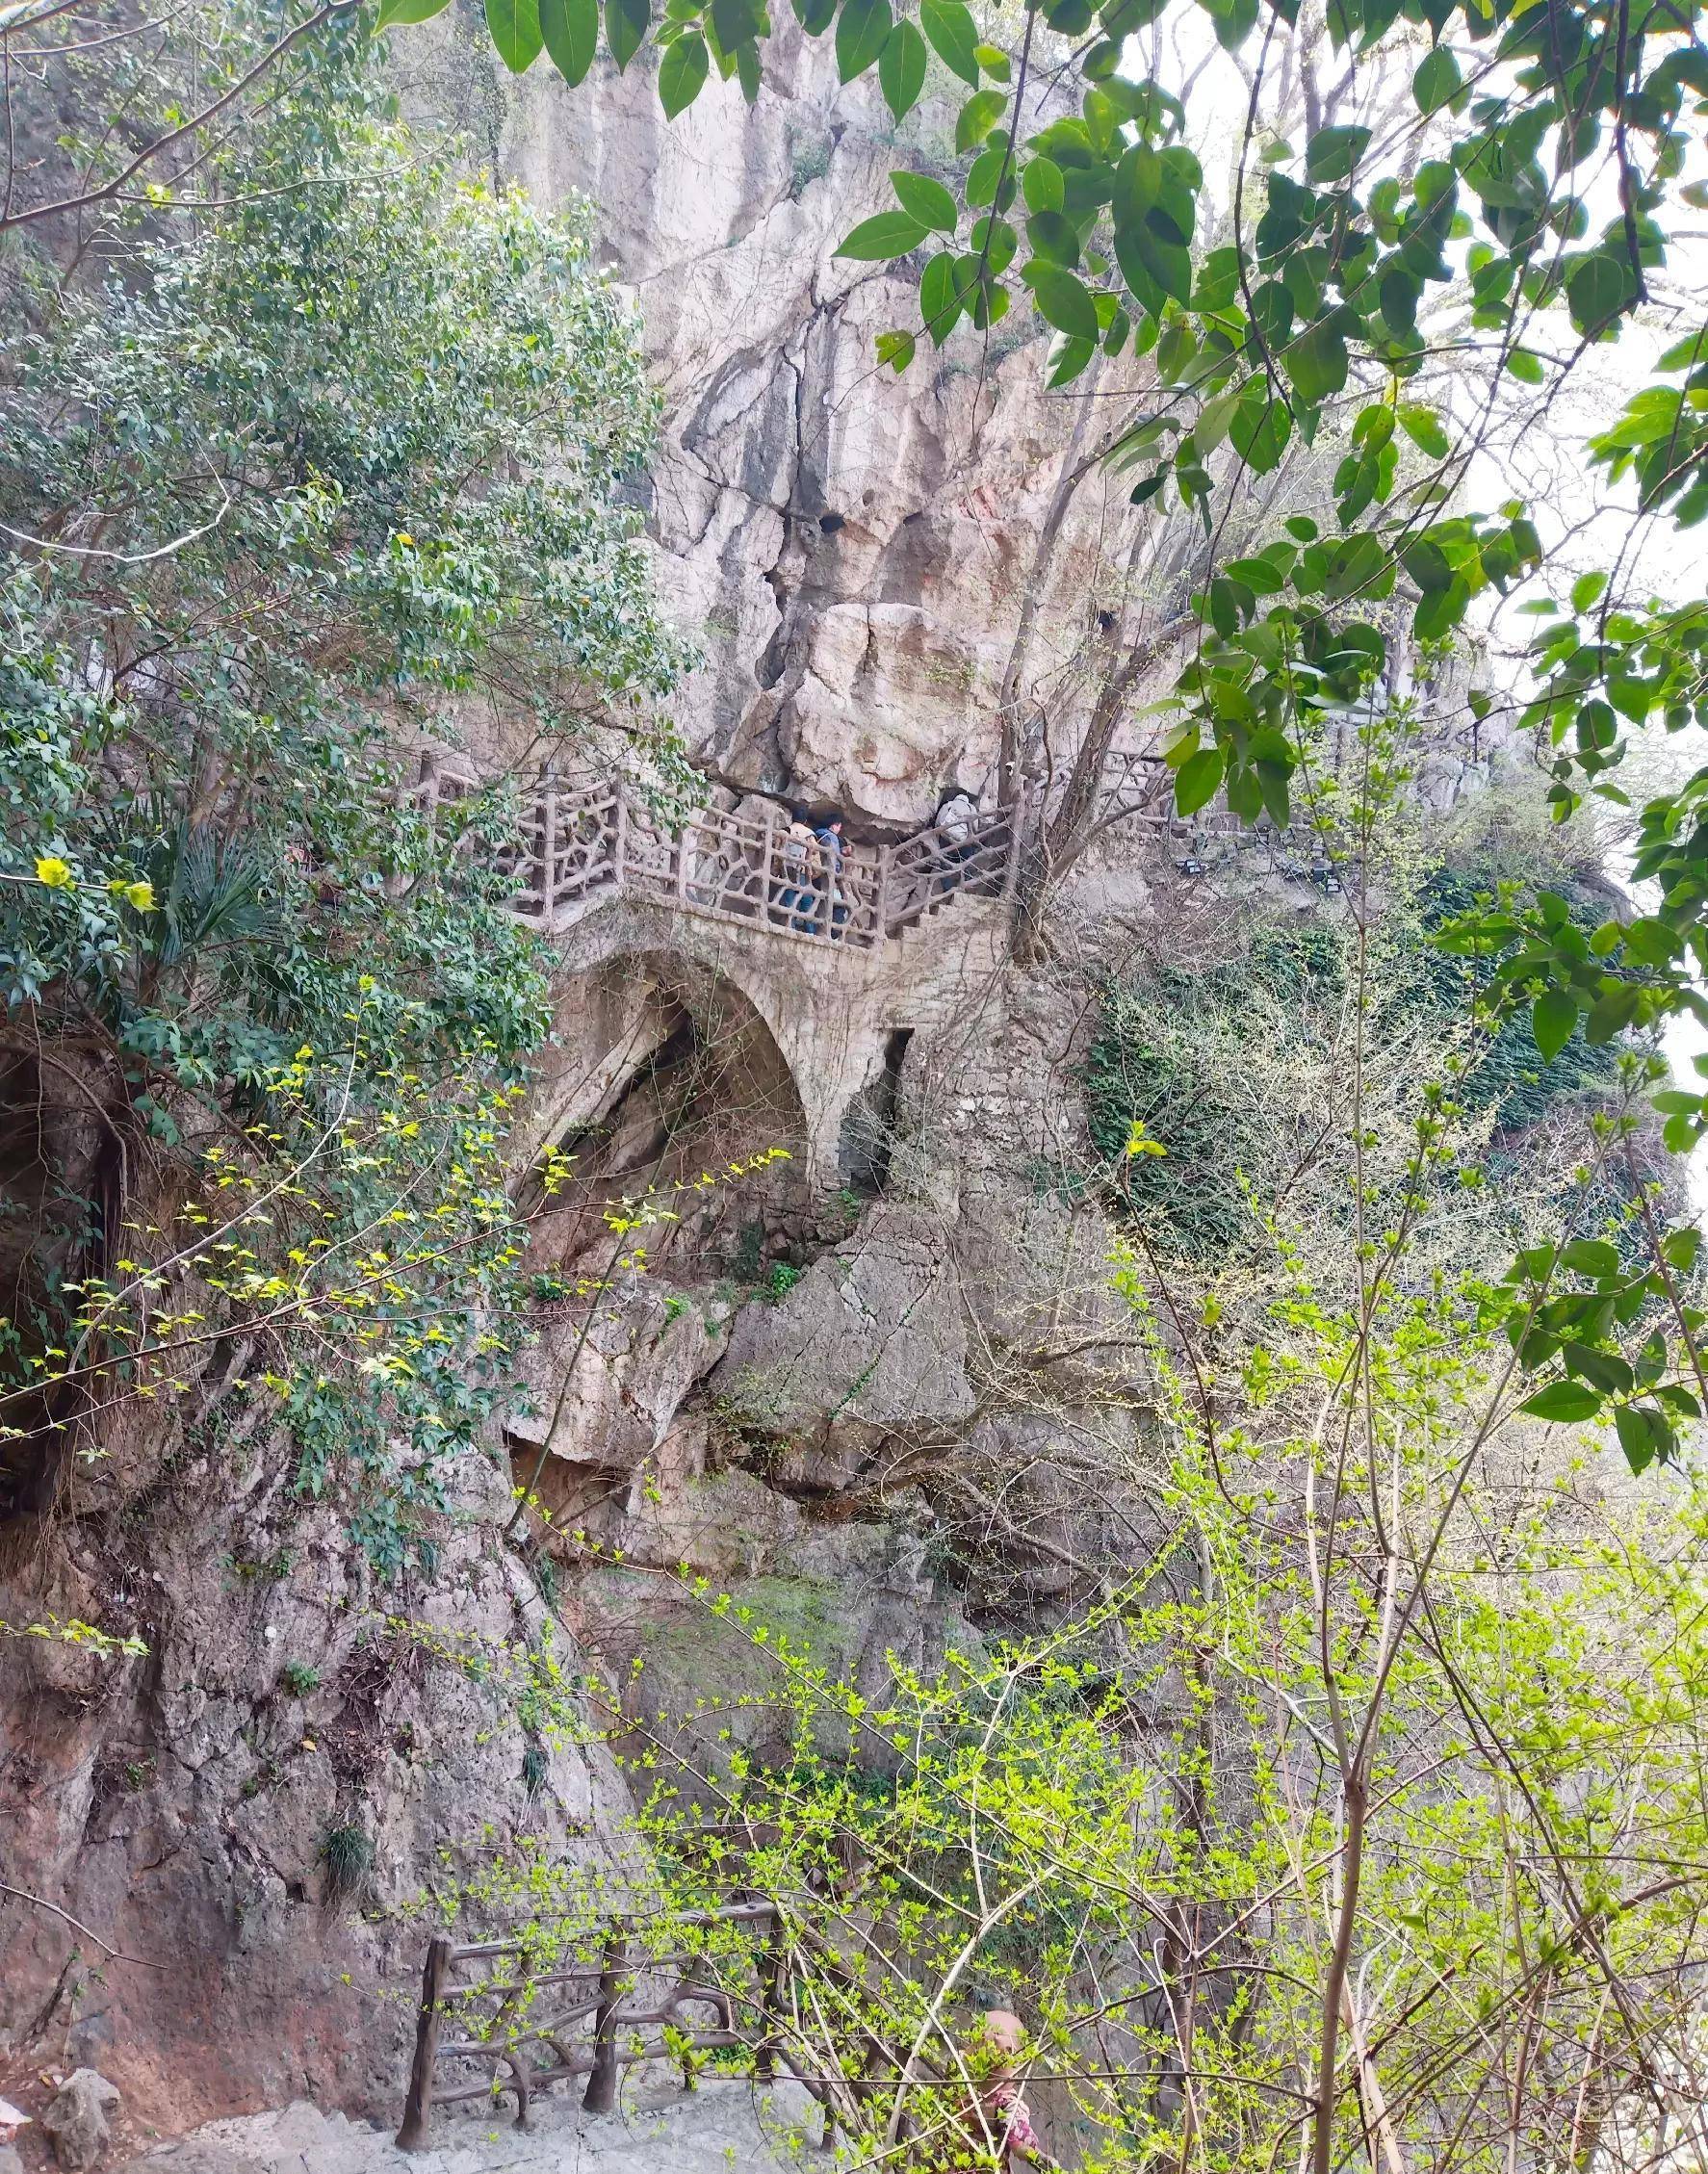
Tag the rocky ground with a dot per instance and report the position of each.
(727, 2126)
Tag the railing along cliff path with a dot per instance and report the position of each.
(583, 841)
(579, 841)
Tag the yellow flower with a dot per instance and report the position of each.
(141, 895)
(408, 542)
(51, 871)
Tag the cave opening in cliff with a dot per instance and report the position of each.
(868, 1130)
(695, 1101)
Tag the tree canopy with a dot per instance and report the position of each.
(280, 497)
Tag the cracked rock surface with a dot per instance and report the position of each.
(852, 549)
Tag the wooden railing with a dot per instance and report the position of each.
(509, 2017)
(500, 2016)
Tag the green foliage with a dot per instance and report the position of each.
(354, 450)
(298, 1679)
(1505, 1073)
(348, 1853)
(1168, 1054)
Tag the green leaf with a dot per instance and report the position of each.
(1260, 430)
(897, 349)
(901, 69)
(814, 16)
(735, 23)
(408, 12)
(1153, 259)
(1563, 1401)
(1437, 81)
(923, 199)
(1426, 562)
(940, 298)
(1138, 185)
(1597, 291)
(1552, 1018)
(1332, 153)
(1526, 367)
(1590, 1257)
(1638, 1435)
(1054, 235)
(1062, 301)
(863, 31)
(1197, 779)
(1425, 429)
(977, 117)
(954, 38)
(989, 175)
(1587, 590)
(626, 25)
(570, 29)
(682, 72)
(1316, 361)
(515, 27)
(1042, 185)
(890, 234)
(995, 241)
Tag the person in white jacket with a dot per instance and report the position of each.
(953, 825)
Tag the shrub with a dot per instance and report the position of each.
(348, 1854)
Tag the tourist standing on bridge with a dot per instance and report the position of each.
(801, 864)
(954, 823)
(832, 913)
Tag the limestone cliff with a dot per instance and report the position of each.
(881, 1393)
(855, 550)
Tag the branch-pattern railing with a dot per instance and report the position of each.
(510, 2017)
(580, 839)
(504, 2016)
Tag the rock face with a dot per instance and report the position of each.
(254, 1814)
(854, 549)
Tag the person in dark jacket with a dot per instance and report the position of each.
(829, 833)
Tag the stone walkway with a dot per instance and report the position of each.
(728, 2125)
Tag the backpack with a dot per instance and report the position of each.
(799, 843)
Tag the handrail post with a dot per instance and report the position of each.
(682, 860)
(620, 827)
(776, 1969)
(549, 845)
(886, 853)
(412, 2135)
(767, 848)
(601, 2094)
